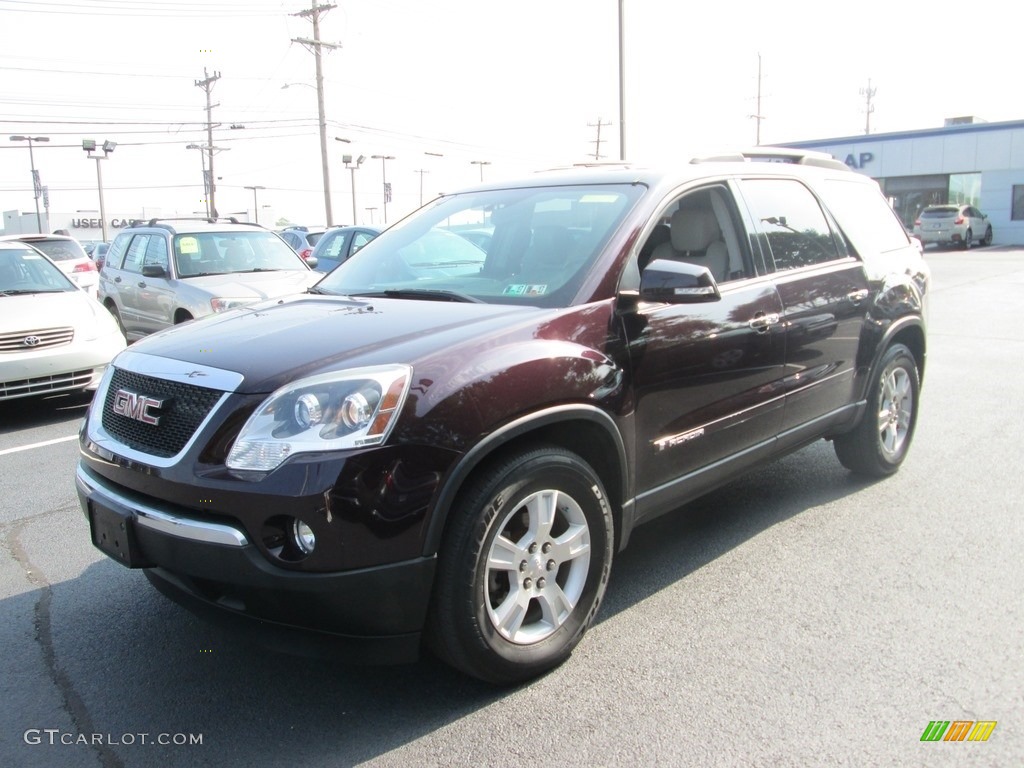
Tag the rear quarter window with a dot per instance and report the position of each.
(865, 217)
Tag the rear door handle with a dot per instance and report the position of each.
(856, 297)
(762, 321)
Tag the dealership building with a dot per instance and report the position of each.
(966, 161)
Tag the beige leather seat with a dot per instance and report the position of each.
(695, 237)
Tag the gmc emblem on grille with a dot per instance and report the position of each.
(136, 406)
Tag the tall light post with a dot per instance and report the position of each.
(353, 166)
(384, 177)
(481, 163)
(255, 203)
(90, 148)
(37, 187)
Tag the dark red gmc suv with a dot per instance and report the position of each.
(444, 442)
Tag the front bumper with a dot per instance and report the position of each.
(373, 614)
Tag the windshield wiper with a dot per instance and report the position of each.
(24, 291)
(320, 291)
(423, 293)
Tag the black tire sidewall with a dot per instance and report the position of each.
(486, 653)
(898, 356)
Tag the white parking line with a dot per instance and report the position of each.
(37, 445)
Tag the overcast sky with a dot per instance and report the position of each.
(518, 85)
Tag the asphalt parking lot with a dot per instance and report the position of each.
(795, 617)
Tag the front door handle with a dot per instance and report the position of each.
(142, 285)
(856, 297)
(762, 321)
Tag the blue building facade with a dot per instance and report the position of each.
(965, 161)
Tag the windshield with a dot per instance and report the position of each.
(540, 243)
(218, 253)
(939, 213)
(60, 250)
(25, 271)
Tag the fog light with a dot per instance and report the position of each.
(305, 540)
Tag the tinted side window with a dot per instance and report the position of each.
(360, 239)
(796, 230)
(134, 259)
(156, 252)
(117, 249)
(864, 216)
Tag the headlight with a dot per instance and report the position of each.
(330, 412)
(224, 303)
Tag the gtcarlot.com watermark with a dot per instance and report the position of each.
(52, 736)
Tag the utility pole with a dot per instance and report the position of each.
(597, 142)
(757, 116)
(622, 84)
(315, 45)
(868, 94)
(207, 85)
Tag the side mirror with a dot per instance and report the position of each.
(678, 282)
(153, 270)
(311, 261)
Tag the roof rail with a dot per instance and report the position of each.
(777, 155)
(207, 219)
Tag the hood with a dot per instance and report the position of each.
(35, 311)
(276, 342)
(255, 285)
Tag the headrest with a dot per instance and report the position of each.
(693, 229)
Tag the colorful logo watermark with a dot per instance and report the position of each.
(958, 730)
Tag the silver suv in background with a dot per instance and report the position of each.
(169, 271)
(953, 224)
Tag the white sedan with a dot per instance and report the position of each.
(68, 254)
(53, 336)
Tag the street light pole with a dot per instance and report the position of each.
(622, 85)
(352, 166)
(481, 163)
(36, 187)
(384, 177)
(255, 203)
(90, 147)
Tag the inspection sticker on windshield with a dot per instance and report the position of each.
(525, 290)
(188, 245)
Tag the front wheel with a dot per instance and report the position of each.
(879, 444)
(523, 566)
(987, 239)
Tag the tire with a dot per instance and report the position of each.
(879, 444)
(182, 317)
(987, 239)
(112, 308)
(967, 240)
(515, 592)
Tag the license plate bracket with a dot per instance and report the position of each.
(113, 533)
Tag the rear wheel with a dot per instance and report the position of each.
(523, 566)
(987, 239)
(879, 444)
(967, 240)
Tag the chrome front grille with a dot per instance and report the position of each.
(184, 408)
(38, 338)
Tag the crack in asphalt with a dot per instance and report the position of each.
(73, 703)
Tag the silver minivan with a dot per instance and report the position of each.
(169, 271)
